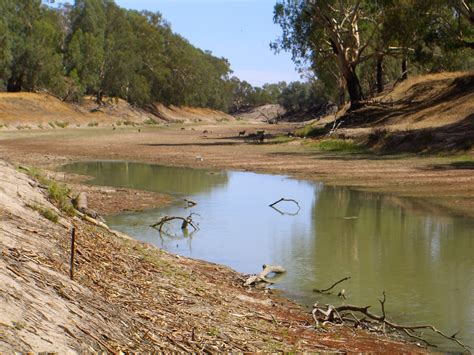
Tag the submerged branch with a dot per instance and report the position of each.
(326, 290)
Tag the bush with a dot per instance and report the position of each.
(339, 145)
(150, 121)
(311, 131)
(59, 193)
(61, 124)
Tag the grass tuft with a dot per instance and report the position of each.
(338, 145)
(150, 121)
(46, 213)
(311, 131)
(61, 124)
(57, 193)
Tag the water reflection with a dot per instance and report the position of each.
(149, 177)
(422, 258)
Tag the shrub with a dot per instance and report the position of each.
(150, 121)
(46, 213)
(311, 131)
(61, 124)
(339, 145)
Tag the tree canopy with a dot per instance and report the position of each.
(94, 47)
(344, 42)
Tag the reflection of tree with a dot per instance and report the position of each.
(149, 177)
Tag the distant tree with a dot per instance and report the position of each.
(32, 46)
(85, 52)
(303, 96)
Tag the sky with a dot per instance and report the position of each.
(239, 30)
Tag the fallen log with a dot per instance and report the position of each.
(261, 277)
(371, 321)
(80, 203)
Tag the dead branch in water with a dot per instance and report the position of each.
(285, 200)
(326, 290)
(186, 221)
(190, 203)
(267, 269)
(332, 314)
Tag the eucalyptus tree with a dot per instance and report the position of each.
(30, 44)
(85, 54)
(338, 32)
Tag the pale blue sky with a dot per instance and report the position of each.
(239, 30)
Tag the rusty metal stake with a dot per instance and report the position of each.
(73, 250)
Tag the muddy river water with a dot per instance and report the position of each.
(422, 257)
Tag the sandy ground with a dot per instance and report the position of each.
(129, 296)
(435, 180)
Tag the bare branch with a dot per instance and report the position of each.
(333, 285)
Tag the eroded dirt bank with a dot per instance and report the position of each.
(129, 296)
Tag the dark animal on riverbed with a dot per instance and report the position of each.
(242, 134)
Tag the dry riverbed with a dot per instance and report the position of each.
(445, 183)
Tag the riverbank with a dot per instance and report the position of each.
(444, 183)
(130, 296)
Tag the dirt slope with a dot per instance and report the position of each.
(34, 110)
(431, 113)
(261, 114)
(129, 296)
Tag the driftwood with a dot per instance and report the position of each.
(285, 200)
(345, 314)
(80, 203)
(326, 290)
(190, 203)
(261, 277)
(186, 221)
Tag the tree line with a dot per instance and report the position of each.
(354, 47)
(94, 47)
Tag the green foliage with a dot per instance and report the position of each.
(309, 131)
(338, 145)
(279, 139)
(150, 121)
(300, 96)
(61, 124)
(57, 193)
(46, 213)
(356, 46)
(95, 47)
